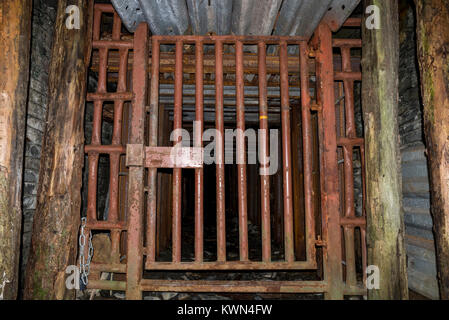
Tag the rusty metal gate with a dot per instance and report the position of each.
(332, 245)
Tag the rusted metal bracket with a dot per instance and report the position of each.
(315, 107)
(320, 243)
(138, 155)
(135, 155)
(174, 157)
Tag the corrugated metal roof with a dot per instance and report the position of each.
(241, 17)
(210, 16)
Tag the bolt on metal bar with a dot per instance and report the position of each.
(286, 155)
(241, 155)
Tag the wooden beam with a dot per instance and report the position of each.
(15, 35)
(433, 47)
(385, 221)
(57, 217)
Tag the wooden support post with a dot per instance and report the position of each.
(15, 34)
(57, 217)
(385, 221)
(433, 47)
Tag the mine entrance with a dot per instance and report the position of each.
(228, 154)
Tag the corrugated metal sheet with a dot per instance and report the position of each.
(130, 13)
(210, 17)
(301, 17)
(242, 17)
(419, 242)
(338, 12)
(166, 17)
(254, 17)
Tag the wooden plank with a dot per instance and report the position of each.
(57, 217)
(15, 34)
(433, 45)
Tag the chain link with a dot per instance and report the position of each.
(85, 265)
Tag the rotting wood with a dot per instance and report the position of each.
(15, 35)
(57, 217)
(433, 47)
(385, 221)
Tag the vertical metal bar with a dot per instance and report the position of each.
(220, 168)
(136, 174)
(98, 104)
(264, 147)
(96, 134)
(116, 27)
(177, 173)
(362, 158)
(92, 187)
(351, 274)
(350, 133)
(349, 93)
(349, 180)
(364, 256)
(241, 155)
(307, 152)
(115, 157)
(286, 155)
(199, 117)
(348, 85)
(329, 170)
(116, 139)
(96, 24)
(153, 141)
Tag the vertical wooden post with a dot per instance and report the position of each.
(57, 217)
(385, 225)
(433, 47)
(15, 34)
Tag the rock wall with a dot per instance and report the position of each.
(44, 15)
(420, 245)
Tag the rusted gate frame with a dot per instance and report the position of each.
(158, 157)
(140, 156)
(333, 220)
(113, 224)
(348, 141)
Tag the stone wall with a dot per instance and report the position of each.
(418, 221)
(44, 15)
